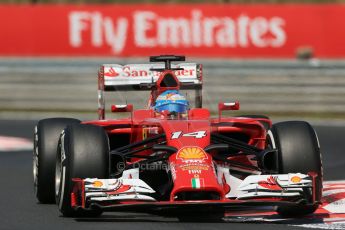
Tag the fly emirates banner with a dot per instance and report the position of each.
(204, 30)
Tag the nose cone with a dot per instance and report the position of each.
(193, 173)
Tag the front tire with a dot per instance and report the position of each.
(46, 139)
(298, 152)
(83, 153)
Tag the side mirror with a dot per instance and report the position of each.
(122, 108)
(227, 106)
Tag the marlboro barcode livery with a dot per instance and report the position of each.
(173, 159)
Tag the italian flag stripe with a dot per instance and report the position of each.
(197, 183)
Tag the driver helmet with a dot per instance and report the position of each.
(172, 101)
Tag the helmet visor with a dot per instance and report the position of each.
(172, 107)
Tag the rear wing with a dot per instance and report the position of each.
(114, 77)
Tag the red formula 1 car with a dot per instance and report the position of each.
(181, 163)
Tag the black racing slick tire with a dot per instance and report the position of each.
(46, 137)
(83, 153)
(298, 152)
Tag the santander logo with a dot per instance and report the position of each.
(150, 29)
(111, 73)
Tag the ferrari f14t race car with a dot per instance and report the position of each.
(171, 159)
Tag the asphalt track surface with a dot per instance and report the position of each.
(20, 210)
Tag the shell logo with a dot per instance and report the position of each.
(296, 179)
(191, 153)
(97, 184)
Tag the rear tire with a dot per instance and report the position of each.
(298, 152)
(46, 138)
(83, 153)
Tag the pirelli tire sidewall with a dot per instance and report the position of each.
(298, 151)
(46, 137)
(83, 153)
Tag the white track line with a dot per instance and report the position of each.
(9, 144)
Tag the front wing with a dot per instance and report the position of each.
(134, 195)
(170, 208)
